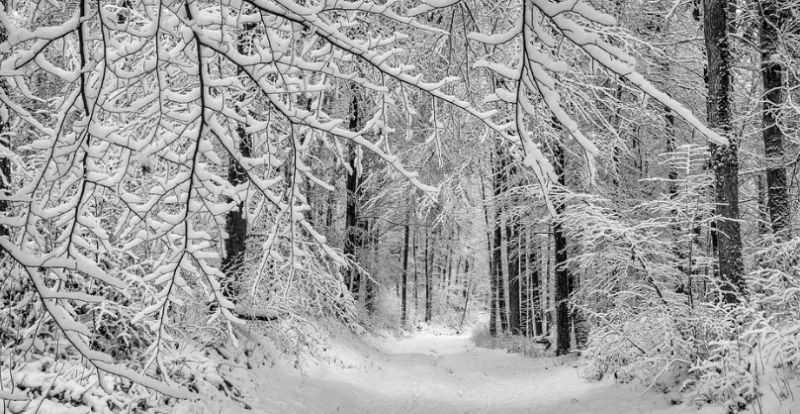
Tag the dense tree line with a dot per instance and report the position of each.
(608, 177)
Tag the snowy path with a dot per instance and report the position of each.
(448, 374)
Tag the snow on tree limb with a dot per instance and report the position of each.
(614, 59)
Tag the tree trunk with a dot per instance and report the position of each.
(533, 267)
(513, 249)
(236, 219)
(466, 277)
(404, 283)
(416, 280)
(763, 215)
(428, 282)
(497, 245)
(526, 298)
(578, 318)
(354, 224)
(466, 304)
(490, 262)
(773, 18)
(548, 290)
(724, 159)
(562, 274)
(447, 268)
(370, 285)
(452, 280)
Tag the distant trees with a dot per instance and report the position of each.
(198, 163)
(163, 146)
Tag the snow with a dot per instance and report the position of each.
(431, 373)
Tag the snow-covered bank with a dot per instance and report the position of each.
(430, 373)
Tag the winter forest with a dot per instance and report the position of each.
(399, 206)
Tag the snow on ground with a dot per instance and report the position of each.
(430, 373)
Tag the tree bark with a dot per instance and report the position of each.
(533, 267)
(466, 302)
(763, 215)
(724, 159)
(428, 282)
(513, 251)
(404, 282)
(416, 279)
(497, 245)
(773, 18)
(562, 274)
(355, 225)
(466, 277)
(236, 219)
(370, 285)
(490, 262)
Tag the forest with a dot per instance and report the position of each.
(399, 206)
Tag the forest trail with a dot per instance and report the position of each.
(449, 374)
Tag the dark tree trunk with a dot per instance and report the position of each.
(549, 281)
(497, 245)
(466, 277)
(404, 283)
(490, 261)
(513, 252)
(355, 226)
(428, 282)
(773, 18)
(416, 279)
(497, 276)
(669, 120)
(763, 215)
(526, 298)
(236, 219)
(370, 285)
(452, 280)
(724, 159)
(533, 268)
(562, 274)
(447, 268)
(466, 299)
(331, 205)
(236, 222)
